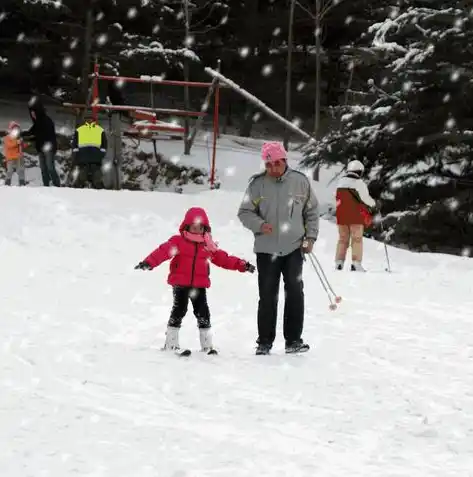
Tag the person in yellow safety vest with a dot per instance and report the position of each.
(89, 147)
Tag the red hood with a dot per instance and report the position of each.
(195, 215)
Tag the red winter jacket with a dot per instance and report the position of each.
(190, 261)
(354, 202)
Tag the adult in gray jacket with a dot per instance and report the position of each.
(281, 209)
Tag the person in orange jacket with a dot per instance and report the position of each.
(13, 152)
(355, 207)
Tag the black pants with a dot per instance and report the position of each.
(88, 173)
(198, 297)
(270, 269)
(48, 169)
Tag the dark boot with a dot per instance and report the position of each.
(263, 349)
(8, 182)
(297, 347)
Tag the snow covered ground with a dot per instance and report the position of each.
(387, 389)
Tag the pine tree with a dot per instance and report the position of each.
(415, 134)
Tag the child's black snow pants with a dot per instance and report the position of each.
(198, 297)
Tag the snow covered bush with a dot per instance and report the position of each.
(415, 130)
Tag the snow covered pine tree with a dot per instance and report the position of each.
(417, 133)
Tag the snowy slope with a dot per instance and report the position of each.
(84, 390)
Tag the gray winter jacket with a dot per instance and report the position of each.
(287, 203)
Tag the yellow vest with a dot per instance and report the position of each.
(89, 135)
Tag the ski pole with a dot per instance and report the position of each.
(338, 299)
(388, 268)
(325, 283)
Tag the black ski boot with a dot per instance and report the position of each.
(297, 347)
(263, 349)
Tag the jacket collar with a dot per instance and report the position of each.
(281, 178)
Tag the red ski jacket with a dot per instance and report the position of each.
(354, 202)
(190, 261)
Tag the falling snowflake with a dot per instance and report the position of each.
(297, 122)
(447, 98)
(99, 16)
(132, 12)
(120, 83)
(67, 62)
(458, 23)
(224, 20)
(285, 227)
(74, 43)
(102, 39)
(194, 293)
(455, 75)
(47, 147)
(107, 166)
(156, 29)
(244, 52)
(466, 252)
(300, 86)
(58, 93)
(20, 37)
(256, 117)
(348, 20)
(450, 123)
(420, 141)
(394, 13)
(392, 126)
(3, 15)
(407, 86)
(453, 204)
(189, 41)
(277, 31)
(175, 159)
(36, 62)
(267, 70)
(230, 171)
(173, 251)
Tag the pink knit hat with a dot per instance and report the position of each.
(273, 151)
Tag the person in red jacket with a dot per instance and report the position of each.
(190, 253)
(354, 209)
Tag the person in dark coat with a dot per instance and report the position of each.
(44, 135)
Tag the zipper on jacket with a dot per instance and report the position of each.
(278, 184)
(193, 264)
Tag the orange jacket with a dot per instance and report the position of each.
(12, 147)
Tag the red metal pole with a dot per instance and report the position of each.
(129, 79)
(95, 91)
(174, 112)
(214, 151)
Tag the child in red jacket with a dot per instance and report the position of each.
(189, 274)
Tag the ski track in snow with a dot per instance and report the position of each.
(84, 389)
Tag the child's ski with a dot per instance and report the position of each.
(187, 352)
